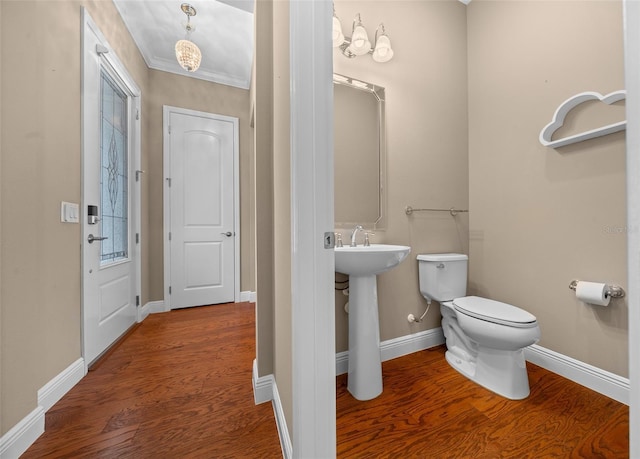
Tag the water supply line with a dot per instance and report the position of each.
(411, 318)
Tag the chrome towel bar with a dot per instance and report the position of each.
(453, 211)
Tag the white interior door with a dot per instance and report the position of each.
(110, 155)
(200, 173)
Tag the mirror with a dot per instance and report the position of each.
(359, 153)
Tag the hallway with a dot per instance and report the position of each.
(178, 386)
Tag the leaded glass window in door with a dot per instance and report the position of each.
(113, 171)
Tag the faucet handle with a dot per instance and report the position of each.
(339, 239)
(366, 240)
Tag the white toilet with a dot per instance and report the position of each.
(485, 338)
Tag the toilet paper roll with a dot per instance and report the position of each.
(593, 293)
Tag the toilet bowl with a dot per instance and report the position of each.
(485, 339)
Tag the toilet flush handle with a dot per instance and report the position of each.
(440, 266)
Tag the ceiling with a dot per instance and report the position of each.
(223, 32)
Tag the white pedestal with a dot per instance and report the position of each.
(365, 367)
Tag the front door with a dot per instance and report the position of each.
(200, 171)
(110, 154)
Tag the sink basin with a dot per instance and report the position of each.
(362, 264)
(370, 260)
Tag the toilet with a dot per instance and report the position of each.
(485, 338)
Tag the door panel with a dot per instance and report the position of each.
(202, 264)
(110, 153)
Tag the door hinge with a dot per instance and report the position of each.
(137, 300)
(169, 128)
(137, 238)
(137, 114)
(169, 235)
(169, 290)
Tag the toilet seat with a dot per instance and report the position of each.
(494, 311)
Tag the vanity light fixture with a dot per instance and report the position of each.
(358, 43)
(187, 52)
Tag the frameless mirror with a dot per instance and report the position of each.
(359, 152)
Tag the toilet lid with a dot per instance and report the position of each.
(494, 311)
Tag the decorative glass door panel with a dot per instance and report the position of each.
(113, 172)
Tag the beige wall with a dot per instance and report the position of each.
(282, 209)
(40, 167)
(541, 217)
(263, 153)
(426, 92)
(194, 94)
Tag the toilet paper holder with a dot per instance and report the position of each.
(613, 291)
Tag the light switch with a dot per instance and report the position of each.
(69, 212)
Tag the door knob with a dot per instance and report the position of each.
(92, 238)
(228, 234)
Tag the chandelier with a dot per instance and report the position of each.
(187, 52)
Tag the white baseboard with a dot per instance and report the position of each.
(152, 307)
(398, 347)
(265, 389)
(262, 386)
(18, 439)
(604, 382)
(281, 423)
(55, 389)
(248, 296)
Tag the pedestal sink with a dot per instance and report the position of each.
(363, 264)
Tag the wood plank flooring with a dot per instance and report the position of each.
(180, 387)
(429, 410)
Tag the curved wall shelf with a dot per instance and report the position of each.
(558, 119)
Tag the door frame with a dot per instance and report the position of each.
(632, 83)
(135, 134)
(312, 217)
(166, 201)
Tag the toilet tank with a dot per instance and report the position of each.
(443, 276)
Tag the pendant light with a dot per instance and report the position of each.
(187, 52)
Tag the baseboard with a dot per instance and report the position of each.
(152, 307)
(601, 381)
(397, 347)
(281, 424)
(17, 440)
(262, 386)
(55, 389)
(247, 296)
(265, 389)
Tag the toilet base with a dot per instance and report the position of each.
(502, 372)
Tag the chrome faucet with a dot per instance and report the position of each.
(354, 233)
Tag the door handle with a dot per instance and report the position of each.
(228, 234)
(92, 238)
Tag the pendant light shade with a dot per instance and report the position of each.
(187, 52)
(360, 44)
(382, 51)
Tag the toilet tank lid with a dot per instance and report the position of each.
(494, 311)
(442, 257)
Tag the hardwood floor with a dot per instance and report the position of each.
(428, 410)
(179, 386)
